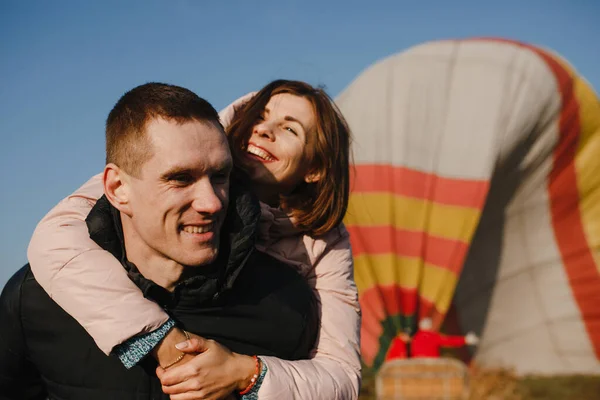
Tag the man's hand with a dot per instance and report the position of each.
(471, 339)
(214, 374)
(405, 337)
(166, 353)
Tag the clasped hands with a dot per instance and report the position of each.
(208, 370)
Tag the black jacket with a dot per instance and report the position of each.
(248, 302)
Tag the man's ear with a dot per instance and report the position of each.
(313, 177)
(117, 188)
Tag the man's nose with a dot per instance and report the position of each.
(206, 198)
(264, 130)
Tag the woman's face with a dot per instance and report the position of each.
(276, 153)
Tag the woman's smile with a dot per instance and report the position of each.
(256, 152)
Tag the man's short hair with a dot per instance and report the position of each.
(127, 144)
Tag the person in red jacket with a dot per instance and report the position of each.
(427, 343)
(397, 349)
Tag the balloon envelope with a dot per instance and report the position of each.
(476, 184)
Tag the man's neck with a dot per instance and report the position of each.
(153, 266)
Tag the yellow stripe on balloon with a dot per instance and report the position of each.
(589, 112)
(587, 99)
(438, 286)
(445, 221)
(386, 269)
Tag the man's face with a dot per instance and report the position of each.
(178, 204)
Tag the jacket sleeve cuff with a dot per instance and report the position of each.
(133, 350)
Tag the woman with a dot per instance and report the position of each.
(293, 143)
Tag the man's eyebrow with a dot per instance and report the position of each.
(226, 166)
(175, 170)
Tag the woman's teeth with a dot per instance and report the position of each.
(197, 228)
(259, 153)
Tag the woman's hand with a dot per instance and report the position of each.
(211, 375)
(228, 113)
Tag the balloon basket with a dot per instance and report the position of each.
(422, 379)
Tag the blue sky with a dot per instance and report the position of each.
(63, 64)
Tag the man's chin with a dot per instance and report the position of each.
(200, 260)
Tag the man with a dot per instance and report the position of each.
(428, 343)
(165, 215)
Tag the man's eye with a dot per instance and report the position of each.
(181, 179)
(221, 177)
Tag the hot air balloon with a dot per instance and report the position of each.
(477, 186)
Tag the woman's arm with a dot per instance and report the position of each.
(85, 280)
(334, 371)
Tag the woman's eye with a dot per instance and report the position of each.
(291, 130)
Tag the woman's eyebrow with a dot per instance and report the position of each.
(292, 119)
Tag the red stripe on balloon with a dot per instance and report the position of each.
(577, 257)
(442, 252)
(402, 181)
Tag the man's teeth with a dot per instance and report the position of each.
(259, 153)
(197, 229)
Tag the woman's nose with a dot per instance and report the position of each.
(264, 130)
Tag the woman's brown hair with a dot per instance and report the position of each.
(320, 206)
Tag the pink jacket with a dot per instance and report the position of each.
(91, 285)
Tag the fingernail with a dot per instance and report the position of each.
(182, 345)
